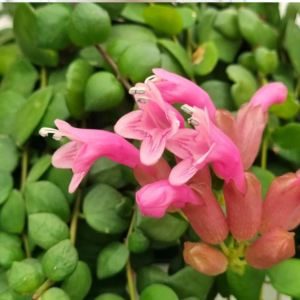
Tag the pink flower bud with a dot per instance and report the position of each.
(244, 211)
(271, 249)
(205, 258)
(208, 219)
(281, 203)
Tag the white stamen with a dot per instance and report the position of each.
(137, 90)
(56, 133)
(188, 109)
(142, 99)
(193, 121)
(152, 78)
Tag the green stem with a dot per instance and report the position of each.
(176, 39)
(224, 248)
(24, 168)
(241, 249)
(26, 246)
(75, 216)
(128, 265)
(45, 286)
(114, 67)
(264, 152)
(262, 78)
(297, 90)
(43, 78)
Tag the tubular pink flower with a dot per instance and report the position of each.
(205, 144)
(177, 89)
(155, 198)
(154, 124)
(208, 220)
(281, 204)
(247, 128)
(86, 146)
(244, 210)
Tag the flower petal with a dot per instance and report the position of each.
(76, 180)
(64, 157)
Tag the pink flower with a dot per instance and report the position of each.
(154, 199)
(281, 204)
(86, 146)
(176, 89)
(205, 144)
(154, 124)
(247, 128)
(271, 249)
(205, 258)
(208, 220)
(244, 210)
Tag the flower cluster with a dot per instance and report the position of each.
(221, 143)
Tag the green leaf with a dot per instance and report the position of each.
(286, 110)
(26, 276)
(44, 196)
(106, 171)
(246, 286)
(114, 9)
(285, 74)
(39, 168)
(89, 25)
(134, 12)
(250, 25)
(8, 56)
(137, 61)
(61, 178)
(268, 37)
(287, 136)
(102, 92)
(111, 260)
(205, 26)
(205, 58)
(247, 60)
(6, 35)
(10, 249)
(226, 23)
(292, 44)
(158, 292)
(79, 283)
(13, 213)
(164, 19)
(57, 108)
(190, 283)
(6, 185)
(102, 215)
(179, 53)
(131, 33)
(77, 76)
(60, 261)
(32, 111)
(245, 84)
(149, 275)
(55, 293)
(285, 277)
(52, 25)
(9, 105)
(9, 155)
(46, 229)
(266, 60)
(20, 78)
(25, 29)
(138, 242)
(265, 177)
(188, 16)
(166, 229)
(171, 64)
(92, 56)
(109, 296)
(219, 92)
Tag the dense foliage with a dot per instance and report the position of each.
(76, 63)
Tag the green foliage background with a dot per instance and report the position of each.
(75, 63)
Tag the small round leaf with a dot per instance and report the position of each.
(55, 294)
(158, 292)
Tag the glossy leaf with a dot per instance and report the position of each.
(292, 44)
(6, 185)
(188, 15)
(287, 110)
(287, 136)
(158, 292)
(8, 56)
(134, 12)
(266, 60)
(9, 155)
(55, 293)
(39, 168)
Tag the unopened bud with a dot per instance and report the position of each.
(244, 210)
(208, 219)
(271, 249)
(205, 258)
